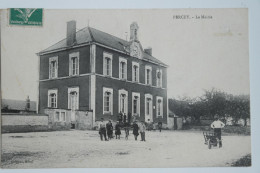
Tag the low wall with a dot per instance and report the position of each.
(15, 123)
(83, 119)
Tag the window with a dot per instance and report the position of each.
(63, 116)
(73, 98)
(159, 78)
(107, 64)
(148, 107)
(107, 101)
(53, 67)
(57, 116)
(123, 101)
(159, 106)
(136, 103)
(148, 75)
(60, 116)
(74, 63)
(135, 72)
(52, 98)
(122, 68)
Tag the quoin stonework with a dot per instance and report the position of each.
(92, 75)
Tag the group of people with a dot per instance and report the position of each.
(106, 130)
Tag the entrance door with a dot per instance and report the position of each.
(73, 105)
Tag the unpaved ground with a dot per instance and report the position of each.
(84, 149)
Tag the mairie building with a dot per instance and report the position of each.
(91, 75)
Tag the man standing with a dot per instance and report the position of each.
(160, 126)
(109, 127)
(142, 129)
(129, 118)
(135, 130)
(102, 130)
(217, 125)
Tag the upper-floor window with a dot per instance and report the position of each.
(107, 101)
(135, 72)
(74, 64)
(148, 75)
(53, 67)
(122, 68)
(73, 98)
(136, 103)
(52, 98)
(107, 64)
(159, 77)
(159, 106)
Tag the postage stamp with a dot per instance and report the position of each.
(26, 16)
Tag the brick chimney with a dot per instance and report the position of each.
(71, 33)
(148, 51)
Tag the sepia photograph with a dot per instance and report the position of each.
(125, 88)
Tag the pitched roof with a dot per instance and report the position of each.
(17, 104)
(89, 34)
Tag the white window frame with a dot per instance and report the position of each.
(73, 55)
(73, 89)
(137, 76)
(150, 75)
(121, 59)
(105, 56)
(134, 94)
(157, 106)
(159, 81)
(110, 90)
(120, 92)
(52, 91)
(146, 96)
(56, 67)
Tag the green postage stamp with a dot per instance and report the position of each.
(26, 16)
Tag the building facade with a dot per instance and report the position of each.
(96, 72)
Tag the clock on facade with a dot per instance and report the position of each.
(135, 50)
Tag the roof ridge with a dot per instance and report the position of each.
(90, 33)
(110, 34)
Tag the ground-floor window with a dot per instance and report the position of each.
(52, 98)
(136, 103)
(148, 107)
(107, 101)
(159, 106)
(123, 101)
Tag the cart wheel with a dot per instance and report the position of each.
(209, 145)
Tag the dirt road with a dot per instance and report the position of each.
(84, 149)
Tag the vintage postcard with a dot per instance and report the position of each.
(139, 88)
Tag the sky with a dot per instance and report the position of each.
(201, 53)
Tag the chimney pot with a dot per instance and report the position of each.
(71, 33)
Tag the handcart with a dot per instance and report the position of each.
(211, 139)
